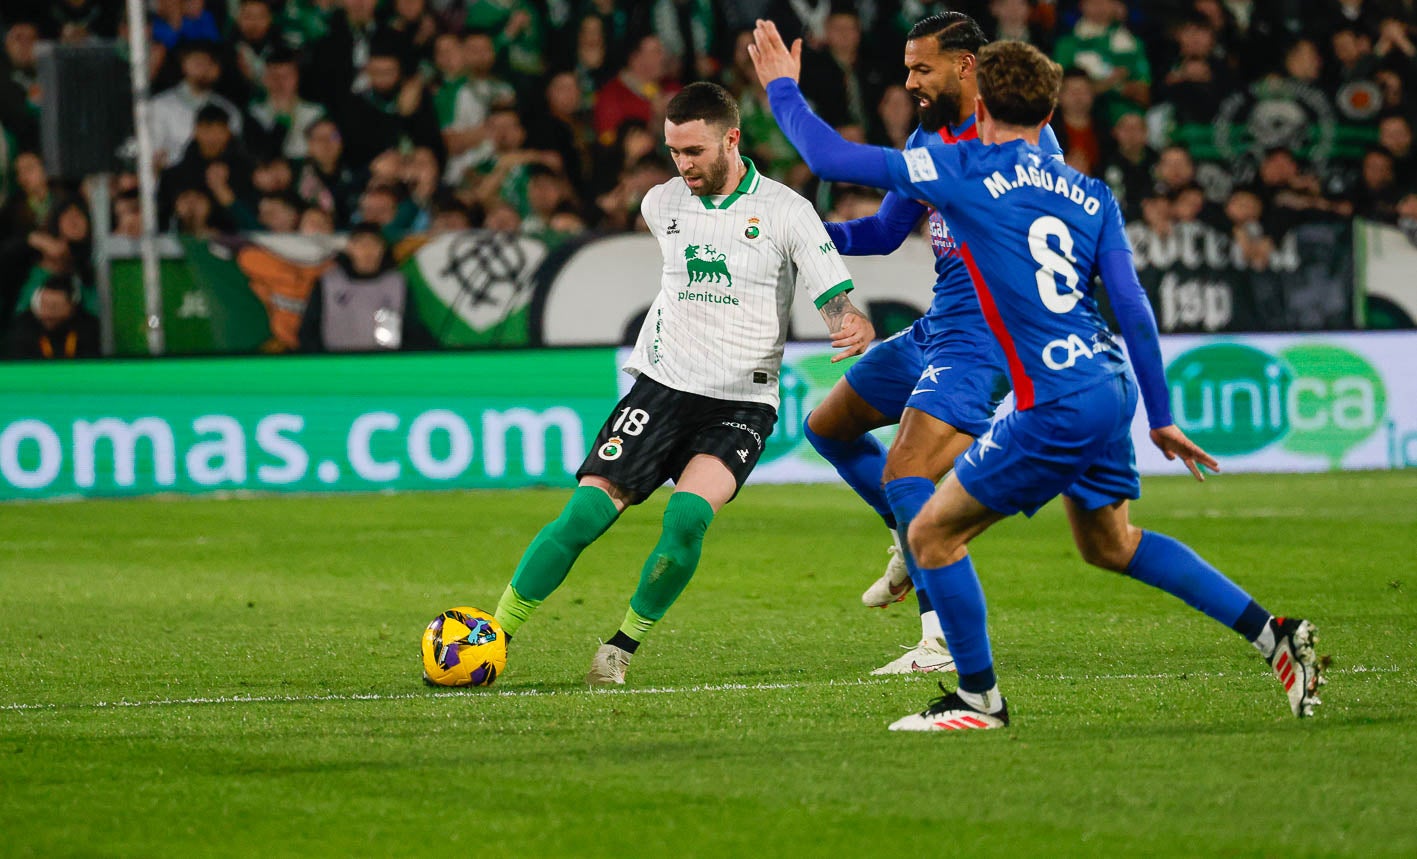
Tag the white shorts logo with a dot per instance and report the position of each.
(612, 448)
(920, 165)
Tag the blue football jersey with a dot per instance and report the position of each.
(954, 311)
(1029, 232)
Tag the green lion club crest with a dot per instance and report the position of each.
(705, 263)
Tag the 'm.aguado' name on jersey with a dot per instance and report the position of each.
(954, 310)
(731, 267)
(1031, 232)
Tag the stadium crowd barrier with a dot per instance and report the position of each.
(465, 420)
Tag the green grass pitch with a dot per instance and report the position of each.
(240, 678)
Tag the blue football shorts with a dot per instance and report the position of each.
(960, 386)
(1079, 446)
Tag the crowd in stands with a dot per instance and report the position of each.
(544, 116)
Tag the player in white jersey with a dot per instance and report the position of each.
(736, 245)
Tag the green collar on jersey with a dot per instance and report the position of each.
(751, 180)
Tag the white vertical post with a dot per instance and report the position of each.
(147, 176)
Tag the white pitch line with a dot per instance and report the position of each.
(539, 693)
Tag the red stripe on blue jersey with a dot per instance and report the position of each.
(1022, 382)
(970, 132)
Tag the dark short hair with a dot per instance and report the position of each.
(364, 228)
(1018, 82)
(213, 114)
(953, 31)
(703, 100)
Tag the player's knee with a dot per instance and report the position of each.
(931, 546)
(686, 519)
(1107, 552)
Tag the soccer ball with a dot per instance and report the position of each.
(463, 647)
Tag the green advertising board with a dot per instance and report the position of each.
(301, 424)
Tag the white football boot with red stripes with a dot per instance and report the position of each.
(1295, 663)
(950, 712)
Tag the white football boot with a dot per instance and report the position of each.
(608, 667)
(1295, 662)
(894, 584)
(950, 712)
(930, 655)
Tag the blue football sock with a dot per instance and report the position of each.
(860, 462)
(907, 495)
(1172, 566)
(959, 602)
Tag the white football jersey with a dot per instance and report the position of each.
(731, 265)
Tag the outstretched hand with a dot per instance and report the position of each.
(1173, 443)
(770, 55)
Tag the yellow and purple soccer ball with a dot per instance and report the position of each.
(463, 646)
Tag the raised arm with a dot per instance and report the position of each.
(880, 233)
(825, 152)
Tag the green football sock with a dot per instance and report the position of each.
(548, 559)
(670, 566)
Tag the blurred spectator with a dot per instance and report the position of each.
(273, 175)
(466, 98)
(1128, 168)
(1377, 193)
(254, 43)
(278, 213)
(1113, 58)
(1174, 169)
(76, 20)
(325, 180)
(502, 218)
(216, 161)
(361, 303)
(517, 32)
(63, 247)
(565, 129)
(1076, 124)
(412, 20)
(393, 110)
(1290, 194)
(546, 192)
(303, 23)
(620, 206)
(835, 79)
(1334, 15)
(55, 325)
(194, 214)
(687, 29)
(279, 122)
(593, 67)
(1248, 31)
(177, 21)
(28, 203)
(1198, 78)
(315, 221)
(422, 177)
(1303, 64)
(505, 174)
(19, 83)
(639, 92)
(340, 57)
(379, 208)
(850, 202)
(1397, 40)
(128, 215)
(567, 223)
(174, 112)
(450, 215)
(896, 117)
(1012, 20)
(1246, 212)
(1395, 136)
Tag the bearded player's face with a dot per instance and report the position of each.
(700, 153)
(933, 80)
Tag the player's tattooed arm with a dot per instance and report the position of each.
(850, 328)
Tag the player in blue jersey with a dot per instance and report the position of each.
(1034, 235)
(942, 378)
